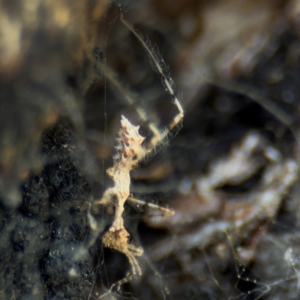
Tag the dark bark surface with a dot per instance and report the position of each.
(236, 68)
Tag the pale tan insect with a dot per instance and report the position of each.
(130, 151)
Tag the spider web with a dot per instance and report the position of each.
(237, 65)
(216, 271)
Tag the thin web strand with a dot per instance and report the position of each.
(125, 92)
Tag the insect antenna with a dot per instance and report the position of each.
(160, 67)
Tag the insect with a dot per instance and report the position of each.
(130, 149)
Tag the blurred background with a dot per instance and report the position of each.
(67, 70)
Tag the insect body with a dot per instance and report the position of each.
(130, 151)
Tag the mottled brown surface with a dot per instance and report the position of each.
(236, 67)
